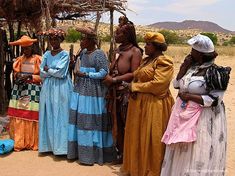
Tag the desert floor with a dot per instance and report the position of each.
(29, 163)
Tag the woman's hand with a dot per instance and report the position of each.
(184, 96)
(46, 68)
(108, 80)
(80, 74)
(188, 61)
(191, 97)
(20, 78)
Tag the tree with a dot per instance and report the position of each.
(212, 36)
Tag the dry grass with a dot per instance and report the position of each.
(178, 52)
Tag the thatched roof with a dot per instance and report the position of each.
(26, 10)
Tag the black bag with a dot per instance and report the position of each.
(217, 77)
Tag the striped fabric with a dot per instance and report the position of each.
(90, 138)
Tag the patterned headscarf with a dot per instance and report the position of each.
(88, 32)
(53, 32)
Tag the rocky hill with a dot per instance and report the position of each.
(205, 26)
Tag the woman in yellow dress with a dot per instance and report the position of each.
(24, 103)
(149, 110)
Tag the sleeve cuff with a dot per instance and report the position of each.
(207, 100)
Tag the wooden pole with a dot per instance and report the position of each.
(2, 62)
(97, 22)
(17, 37)
(48, 20)
(111, 35)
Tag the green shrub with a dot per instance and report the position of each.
(212, 36)
(171, 37)
(139, 38)
(106, 38)
(232, 40)
(226, 43)
(72, 36)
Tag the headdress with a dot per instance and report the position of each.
(88, 32)
(24, 41)
(53, 32)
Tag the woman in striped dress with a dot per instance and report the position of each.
(90, 138)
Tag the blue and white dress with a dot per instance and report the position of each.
(90, 137)
(54, 103)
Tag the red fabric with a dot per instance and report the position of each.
(23, 114)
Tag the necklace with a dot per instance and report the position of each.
(56, 50)
(125, 47)
(90, 51)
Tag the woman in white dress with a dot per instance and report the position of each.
(200, 150)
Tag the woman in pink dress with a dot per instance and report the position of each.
(196, 135)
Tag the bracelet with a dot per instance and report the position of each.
(114, 80)
(86, 75)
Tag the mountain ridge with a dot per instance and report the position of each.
(205, 26)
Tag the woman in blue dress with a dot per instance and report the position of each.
(54, 97)
(90, 138)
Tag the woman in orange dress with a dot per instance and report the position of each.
(24, 103)
(148, 110)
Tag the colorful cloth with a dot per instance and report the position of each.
(90, 138)
(54, 103)
(24, 104)
(147, 118)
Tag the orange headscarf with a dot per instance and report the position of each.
(154, 37)
(24, 41)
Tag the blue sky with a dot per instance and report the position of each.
(146, 12)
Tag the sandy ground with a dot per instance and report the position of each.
(29, 163)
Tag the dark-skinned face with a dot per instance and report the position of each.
(149, 49)
(27, 51)
(197, 56)
(120, 36)
(86, 42)
(55, 42)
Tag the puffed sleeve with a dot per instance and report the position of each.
(101, 66)
(17, 65)
(43, 73)
(159, 86)
(61, 68)
(36, 74)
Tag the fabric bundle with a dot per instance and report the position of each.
(217, 77)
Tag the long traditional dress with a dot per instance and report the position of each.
(207, 155)
(90, 137)
(147, 118)
(24, 104)
(54, 103)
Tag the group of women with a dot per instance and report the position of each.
(161, 138)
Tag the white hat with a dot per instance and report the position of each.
(202, 43)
